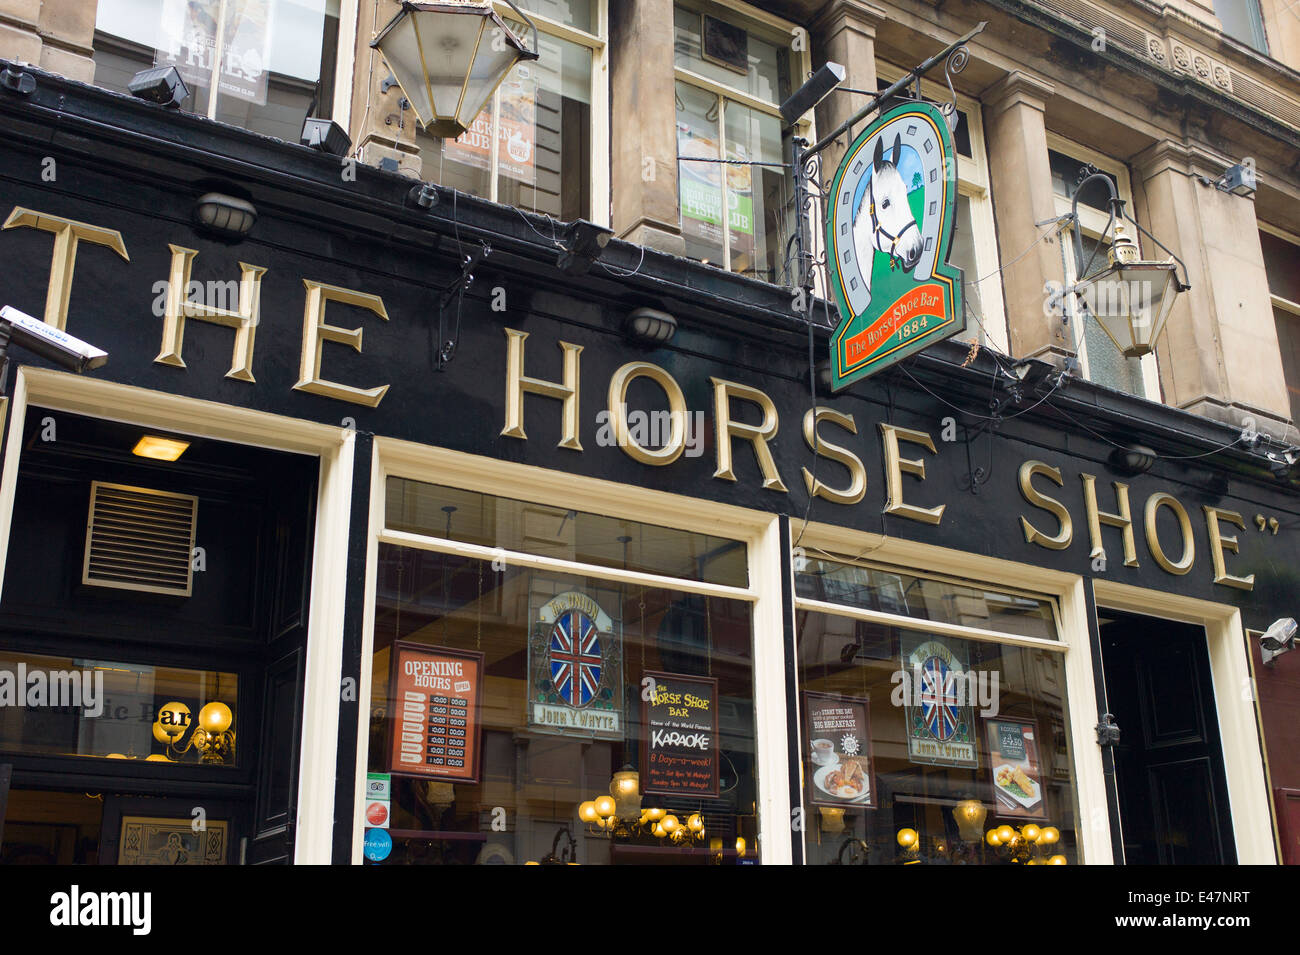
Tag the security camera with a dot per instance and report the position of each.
(19, 328)
(1278, 639)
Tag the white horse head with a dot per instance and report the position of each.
(884, 219)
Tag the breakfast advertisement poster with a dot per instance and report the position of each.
(1013, 761)
(838, 757)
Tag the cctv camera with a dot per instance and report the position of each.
(1278, 639)
(50, 343)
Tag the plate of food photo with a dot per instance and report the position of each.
(846, 780)
(1013, 782)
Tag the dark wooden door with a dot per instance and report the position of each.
(1173, 795)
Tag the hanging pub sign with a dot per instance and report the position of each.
(434, 730)
(1013, 761)
(839, 770)
(937, 688)
(680, 716)
(888, 233)
(575, 669)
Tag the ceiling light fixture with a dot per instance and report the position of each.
(159, 448)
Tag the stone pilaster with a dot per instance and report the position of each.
(643, 135)
(380, 129)
(1219, 353)
(845, 33)
(1022, 196)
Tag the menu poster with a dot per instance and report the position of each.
(838, 769)
(189, 42)
(680, 716)
(516, 132)
(1017, 778)
(434, 730)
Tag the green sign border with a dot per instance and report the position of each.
(948, 276)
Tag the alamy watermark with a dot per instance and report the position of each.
(654, 429)
(77, 689)
(977, 688)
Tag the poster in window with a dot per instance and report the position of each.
(516, 132)
(1014, 764)
(700, 190)
(436, 694)
(937, 688)
(680, 750)
(189, 41)
(575, 669)
(838, 766)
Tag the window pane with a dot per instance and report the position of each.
(1288, 340)
(768, 76)
(58, 706)
(1282, 263)
(580, 14)
(1242, 21)
(535, 766)
(475, 518)
(1066, 174)
(756, 214)
(699, 183)
(962, 254)
(278, 65)
(913, 731)
(544, 155)
(898, 592)
(1107, 365)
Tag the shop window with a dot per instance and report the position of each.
(1282, 264)
(531, 147)
(1242, 21)
(732, 73)
(525, 708)
(974, 247)
(933, 723)
(1100, 360)
(278, 62)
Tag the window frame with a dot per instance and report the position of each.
(1278, 302)
(1092, 223)
(599, 129)
(759, 531)
(772, 29)
(973, 182)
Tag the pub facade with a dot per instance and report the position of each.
(404, 525)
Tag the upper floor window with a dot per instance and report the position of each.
(733, 68)
(974, 247)
(532, 146)
(1099, 359)
(265, 65)
(1282, 264)
(1242, 21)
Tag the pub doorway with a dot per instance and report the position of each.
(153, 633)
(1171, 786)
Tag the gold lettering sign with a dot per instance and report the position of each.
(68, 233)
(832, 452)
(315, 333)
(1097, 517)
(243, 319)
(618, 385)
(518, 384)
(1154, 503)
(896, 465)
(1032, 534)
(757, 435)
(1219, 543)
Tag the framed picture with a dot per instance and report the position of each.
(161, 831)
(725, 44)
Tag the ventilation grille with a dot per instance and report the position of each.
(1279, 107)
(139, 539)
(1089, 17)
